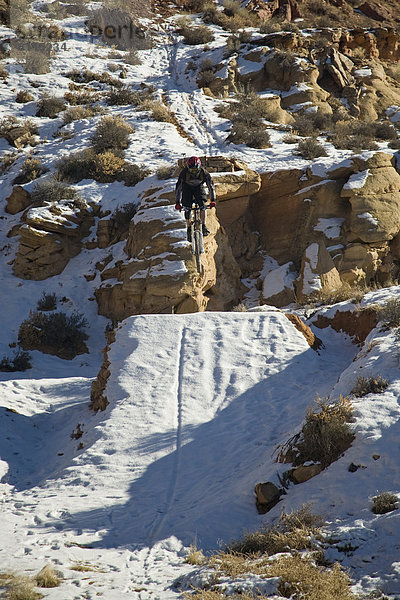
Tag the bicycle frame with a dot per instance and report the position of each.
(197, 234)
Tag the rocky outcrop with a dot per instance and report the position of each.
(331, 228)
(158, 274)
(18, 200)
(288, 10)
(267, 496)
(50, 236)
(98, 399)
(312, 340)
(357, 324)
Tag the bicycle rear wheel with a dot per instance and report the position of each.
(198, 248)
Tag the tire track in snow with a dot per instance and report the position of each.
(192, 118)
(157, 525)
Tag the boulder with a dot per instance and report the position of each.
(305, 472)
(50, 237)
(267, 496)
(278, 286)
(375, 10)
(18, 200)
(318, 274)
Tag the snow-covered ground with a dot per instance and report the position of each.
(198, 403)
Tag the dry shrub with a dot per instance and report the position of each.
(384, 503)
(23, 96)
(19, 587)
(7, 160)
(302, 579)
(52, 191)
(47, 577)
(20, 361)
(18, 132)
(112, 133)
(247, 121)
(47, 301)
(54, 333)
(159, 111)
(369, 385)
(121, 96)
(86, 76)
(312, 123)
(270, 26)
(196, 35)
(345, 292)
(75, 113)
(389, 312)
(325, 435)
(104, 167)
(310, 148)
(81, 96)
(50, 106)
(31, 169)
(290, 138)
(293, 531)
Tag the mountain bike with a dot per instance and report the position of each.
(197, 235)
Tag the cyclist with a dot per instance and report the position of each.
(190, 188)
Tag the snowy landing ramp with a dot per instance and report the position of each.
(198, 403)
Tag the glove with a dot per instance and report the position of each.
(178, 206)
(212, 204)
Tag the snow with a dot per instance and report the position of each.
(357, 180)
(368, 217)
(279, 279)
(330, 227)
(311, 281)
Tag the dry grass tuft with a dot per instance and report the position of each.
(302, 579)
(325, 435)
(19, 587)
(384, 503)
(293, 531)
(23, 96)
(47, 577)
(369, 385)
(389, 313)
(165, 171)
(195, 556)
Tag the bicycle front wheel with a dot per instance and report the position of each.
(198, 248)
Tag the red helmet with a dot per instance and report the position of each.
(193, 162)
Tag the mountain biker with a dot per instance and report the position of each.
(190, 188)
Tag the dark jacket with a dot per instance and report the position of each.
(194, 180)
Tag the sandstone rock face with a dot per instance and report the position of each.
(374, 195)
(358, 324)
(50, 236)
(334, 228)
(158, 274)
(18, 200)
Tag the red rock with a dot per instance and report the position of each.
(374, 10)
